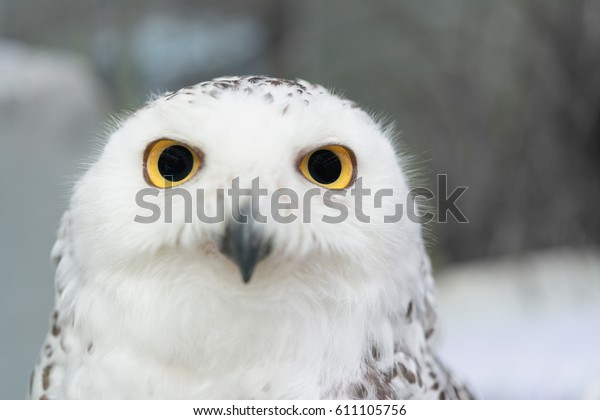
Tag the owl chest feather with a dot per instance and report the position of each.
(128, 342)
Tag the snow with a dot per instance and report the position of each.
(526, 327)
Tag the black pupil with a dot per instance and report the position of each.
(324, 166)
(175, 163)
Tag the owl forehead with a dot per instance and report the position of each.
(242, 106)
(256, 86)
(270, 90)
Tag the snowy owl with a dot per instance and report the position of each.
(322, 297)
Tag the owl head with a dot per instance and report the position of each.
(248, 182)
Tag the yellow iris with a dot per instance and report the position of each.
(332, 167)
(168, 163)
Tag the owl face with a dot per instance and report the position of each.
(177, 162)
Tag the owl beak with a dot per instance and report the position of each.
(245, 245)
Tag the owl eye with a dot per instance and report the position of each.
(331, 167)
(168, 163)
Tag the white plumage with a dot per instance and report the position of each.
(158, 310)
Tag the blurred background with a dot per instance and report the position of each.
(504, 97)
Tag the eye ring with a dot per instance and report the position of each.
(168, 163)
(331, 166)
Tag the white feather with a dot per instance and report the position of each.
(155, 311)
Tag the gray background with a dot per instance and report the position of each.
(504, 97)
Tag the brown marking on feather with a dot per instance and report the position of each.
(407, 374)
(429, 333)
(55, 328)
(409, 310)
(285, 110)
(382, 387)
(375, 353)
(43, 397)
(46, 377)
(359, 392)
(442, 396)
(435, 386)
(268, 98)
(374, 381)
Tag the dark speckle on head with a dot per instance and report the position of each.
(256, 79)
(226, 85)
(271, 90)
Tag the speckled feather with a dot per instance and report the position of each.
(154, 311)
